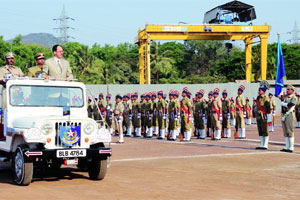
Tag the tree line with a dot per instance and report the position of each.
(171, 62)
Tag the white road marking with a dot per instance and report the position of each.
(198, 156)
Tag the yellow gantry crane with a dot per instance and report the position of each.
(203, 32)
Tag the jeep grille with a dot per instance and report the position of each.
(58, 142)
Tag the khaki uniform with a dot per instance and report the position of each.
(217, 104)
(15, 72)
(161, 106)
(248, 110)
(101, 106)
(118, 113)
(127, 117)
(186, 123)
(287, 124)
(240, 104)
(226, 105)
(33, 70)
(261, 115)
(90, 110)
(166, 120)
(177, 117)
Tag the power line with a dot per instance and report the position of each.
(64, 27)
(295, 35)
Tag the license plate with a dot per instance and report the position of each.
(71, 153)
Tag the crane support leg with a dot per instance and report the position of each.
(248, 52)
(263, 59)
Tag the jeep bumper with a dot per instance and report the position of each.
(101, 153)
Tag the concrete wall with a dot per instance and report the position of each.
(250, 91)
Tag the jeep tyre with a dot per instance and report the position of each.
(97, 169)
(23, 170)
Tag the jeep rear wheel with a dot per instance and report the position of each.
(97, 169)
(23, 170)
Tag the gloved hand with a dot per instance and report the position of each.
(164, 116)
(130, 117)
(150, 117)
(284, 104)
(221, 118)
(139, 115)
(203, 117)
(245, 115)
(228, 115)
(120, 119)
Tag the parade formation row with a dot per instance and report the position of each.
(154, 115)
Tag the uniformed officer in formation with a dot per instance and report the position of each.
(161, 109)
(262, 111)
(199, 114)
(109, 112)
(149, 115)
(226, 107)
(172, 110)
(143, 114)
(254, 107)
(297, 110)
(232, 112)
(118, 117)
(101, 106)
(248, 112)
(127, 116)
(240, 114)
(136, 115)
(288, 102)
(186, 115)
(273, 112)
(37, 71)
(155, 114)
(217, 114)
(90, 108)
(210, 127)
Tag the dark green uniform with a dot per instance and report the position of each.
(226, 128)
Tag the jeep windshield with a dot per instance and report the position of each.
(46, 96)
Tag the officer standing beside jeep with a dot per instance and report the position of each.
(9, 70)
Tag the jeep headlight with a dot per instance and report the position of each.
(47, 129)
(89, 128)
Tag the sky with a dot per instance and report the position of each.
(117, 21)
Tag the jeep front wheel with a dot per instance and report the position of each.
(23, 170)
(97, 169)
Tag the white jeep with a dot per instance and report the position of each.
(45, 124)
